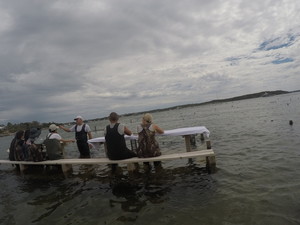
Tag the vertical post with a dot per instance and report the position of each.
(202, 137)
(131, 167)
(211, 164)
(187, 139)
(193, 139)
(66, 168)
(22, 168)
(208, 144)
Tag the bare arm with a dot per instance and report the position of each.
(127, 131)
(158, 129)
(90, 135)
(67, 140)
(64, 128)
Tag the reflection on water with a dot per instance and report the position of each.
(129, 194)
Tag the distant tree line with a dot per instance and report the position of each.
(12, 128)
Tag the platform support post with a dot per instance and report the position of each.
(187, 139)
(22, 168)
(66, 168)
(131, 167)
(211, 164)
(208, 144)
(202, 137)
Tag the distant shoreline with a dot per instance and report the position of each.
(242, 97)
(238, 98)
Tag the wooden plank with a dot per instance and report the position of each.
(194, 154)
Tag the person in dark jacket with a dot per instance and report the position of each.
(17, 143)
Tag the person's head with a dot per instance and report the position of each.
(34, 133)
(113, 117)
(79, 120)
(147, 118)
(19, 134)
(53, 128)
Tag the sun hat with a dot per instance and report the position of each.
(53, 127)
(34, 132)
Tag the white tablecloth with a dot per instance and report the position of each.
(173, 132)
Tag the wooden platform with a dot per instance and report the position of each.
(188, 133)
(65, 163)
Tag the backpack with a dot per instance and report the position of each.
(34, 153)
(53, 148)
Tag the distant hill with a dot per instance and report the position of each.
(242, 97)
(255, 95)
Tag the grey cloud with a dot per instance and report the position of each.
(62, 58)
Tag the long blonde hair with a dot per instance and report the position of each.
(148, 118)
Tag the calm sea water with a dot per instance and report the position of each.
(257, 181)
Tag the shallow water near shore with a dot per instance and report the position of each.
(257, 179)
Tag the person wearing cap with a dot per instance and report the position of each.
(54, 135)
(114, 139)
(147, 144)
(53, 143)
(83, 132)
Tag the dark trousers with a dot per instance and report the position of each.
(84, 149)
(123, 154)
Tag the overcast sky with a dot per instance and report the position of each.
(59, 59)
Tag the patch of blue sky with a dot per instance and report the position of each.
(234, 61)
(277, 43)
(280, 61)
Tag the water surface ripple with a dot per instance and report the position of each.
(257, 181)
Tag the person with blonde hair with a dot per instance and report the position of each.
(147, 144)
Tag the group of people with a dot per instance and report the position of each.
(114, 139)
(22, 147)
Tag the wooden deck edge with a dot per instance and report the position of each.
(193, 154)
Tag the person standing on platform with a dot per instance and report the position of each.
(82, 134)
